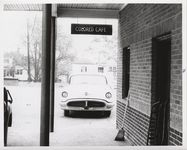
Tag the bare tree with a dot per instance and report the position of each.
(17, 57)
(36, 51)
(33, 44)
(64, 57)
(28, 53)
(103, 49)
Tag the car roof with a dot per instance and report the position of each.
(88, 74)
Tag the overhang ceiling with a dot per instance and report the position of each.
(78, 10)
(38, 7)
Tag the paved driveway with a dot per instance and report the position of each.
(82, 129)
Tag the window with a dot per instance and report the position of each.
(5, 73)
(19, 71)
(114, 69)
(125, 72)
(110, 69)
(12, 72)
(84, 69)
(100, 69)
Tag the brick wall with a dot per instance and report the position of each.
(136, 123)
(138, 24)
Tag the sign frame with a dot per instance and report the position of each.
(91, 29)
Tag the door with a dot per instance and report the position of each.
(161, 60)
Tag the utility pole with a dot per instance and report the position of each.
(28, 53)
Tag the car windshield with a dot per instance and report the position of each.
(88, 79)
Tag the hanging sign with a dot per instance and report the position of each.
(95, 29)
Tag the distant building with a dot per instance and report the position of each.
(14, 71)
(21, 73)
(110, 70)
(9, 69)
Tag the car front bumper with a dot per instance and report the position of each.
(86, 104)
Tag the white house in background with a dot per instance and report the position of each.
(109, 70)
(14, 72)
(8, 68)
(21, 73)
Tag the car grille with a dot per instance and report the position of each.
(83, 104)
(77, 104)
(95, 104)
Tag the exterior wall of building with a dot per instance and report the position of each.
(138, 24)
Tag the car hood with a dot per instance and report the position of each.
(87, 91)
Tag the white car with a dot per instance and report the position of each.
(87, 92)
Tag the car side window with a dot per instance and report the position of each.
(5, 95)
(9, 97)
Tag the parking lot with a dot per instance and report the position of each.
(81, 129)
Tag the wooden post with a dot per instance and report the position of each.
(45, 85)
(52, 79)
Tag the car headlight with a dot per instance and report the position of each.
(64, 94)
(108, 95)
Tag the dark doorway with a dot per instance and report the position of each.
(161, 59)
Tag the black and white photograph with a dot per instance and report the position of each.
(93, 74)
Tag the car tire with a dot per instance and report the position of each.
(66, 112)
(5, 135)
(107, 113)
(5, 132)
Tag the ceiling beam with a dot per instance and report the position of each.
(87, 13)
